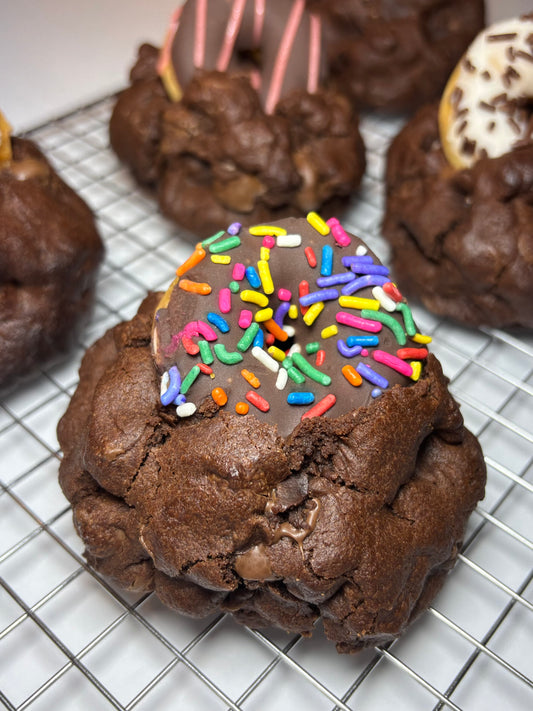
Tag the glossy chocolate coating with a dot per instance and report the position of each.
(288, 266)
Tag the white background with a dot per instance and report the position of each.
(57, 55)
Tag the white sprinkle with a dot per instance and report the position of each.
(289, 240)
(289, 330)
(186, 409)
(282, 378)
(361, 250)
(295, 348)
(165, 380)
(263, 357)
(384, 299)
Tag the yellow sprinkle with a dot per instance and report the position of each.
(264, 254)
(264, 315)
(265, 276)
(420, 338)
(357, 302)
(329, 331)
(313, 312)
(318, 223)
(416, 365)
(220, 258)
(293, 311)
(254, 297)
(262, 230)
(276, 353)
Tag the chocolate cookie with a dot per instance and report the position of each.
(246, 131)
(461, 239)
(339, 490)
(397, 55)
(50, 252)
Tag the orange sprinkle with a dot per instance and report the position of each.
(219, 396)
(194, 287)
(273, 328)
(250, 378)
(192, 261)
(351, 375)
(241, 408)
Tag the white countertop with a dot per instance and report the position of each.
(57, 55)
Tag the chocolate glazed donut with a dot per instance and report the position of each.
(254, 37)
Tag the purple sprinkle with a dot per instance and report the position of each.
(234, 228)
(342, 278)
(362, 282)
(347, 352)
(369, 269)
(281, 312)
(363, 259)
(173, 386)
(376, 392)
(180, 400)
(314, 296)
(369, 374)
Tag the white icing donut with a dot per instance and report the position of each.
(484, 110)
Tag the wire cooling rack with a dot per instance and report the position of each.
(70, 640)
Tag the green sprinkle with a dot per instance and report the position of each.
(312, 348)
(229, 243)
(205, 352)
(189, 379)
(295, 374)
(389, 321)
(309, 370)
(234, 287)
(287, 362)
(226, 357)
(212, 239)
(248, 337)
(408, 319)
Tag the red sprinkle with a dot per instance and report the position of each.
(258, 401)
(270, 339)
(190, 346)
(303, 289)
(311, 257)
(204, 368)
(320, 358)
(393, 291)
(416, 353)
(321, 407)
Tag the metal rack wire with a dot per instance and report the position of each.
(69, 639)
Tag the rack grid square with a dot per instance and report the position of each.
(69, 639)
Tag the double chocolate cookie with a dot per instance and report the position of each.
(50, 251)
(272, 438)
(233, 118)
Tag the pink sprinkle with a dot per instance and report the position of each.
(284, 294)
(393, 362)
(224, 300)
(245, 318)
(364, 324)
(364, 352)
(342, 238)
(199, 328)
(239, 270)
(269, 241)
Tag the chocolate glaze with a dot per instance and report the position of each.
(288, 267)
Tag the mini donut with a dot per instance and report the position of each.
(484, 110)
(232, 119)
(255, 441)
(278, 44)
(50, 254)
(396, 56)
